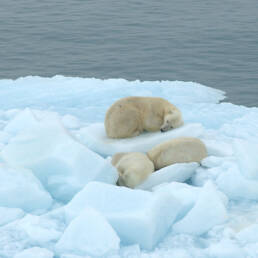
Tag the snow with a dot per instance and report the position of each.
(35, 252)
(225, 249)
(212, 161)
(218, 148)
(8, 215)
(249, 234)
(208, 211)
(31, 230)
(39, 229)
(238, 188)
(246, 156)
(89, 234)
(57, 182)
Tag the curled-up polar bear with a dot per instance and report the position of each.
(130, 116)
(133, 168)
(178, 150)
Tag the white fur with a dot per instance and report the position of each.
(178, 150)
(130, 116)
(133, 168)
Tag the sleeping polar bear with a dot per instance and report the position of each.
(133, 168)
(130, 116)
(178, 150)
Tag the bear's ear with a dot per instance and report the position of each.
(116, 157)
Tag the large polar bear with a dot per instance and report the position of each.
(130, 116)
(178, 150)
(133, 168)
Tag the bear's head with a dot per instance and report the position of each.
(173, 119)
(130, 178)
(133, 168)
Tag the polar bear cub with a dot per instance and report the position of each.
(133, 168)
(178, 150)
(130, 116)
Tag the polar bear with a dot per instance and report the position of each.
(133, 168)
(178, 150)
(130, 116)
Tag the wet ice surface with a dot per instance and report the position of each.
(57, 183)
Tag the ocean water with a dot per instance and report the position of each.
(211, 42)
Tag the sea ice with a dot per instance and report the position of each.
(4, 137)
(186, 195)
(8, 215)
(71, 122)
(11, 113)
(77, 256)
(244, 126)
(88, 99)
(1, 147)
(166, 253)
(218, 148)
(249, 234)
(89, 234)
(251, 249)
(211, 115)
(130, 251)
(35, 111)
(2, 124)
(225, 249)
(94, 136)
(138, 217)
(177, 172)
(19, 188)
(235, 185)
(212, 161)
(41, 230)
(12, 241)
(246, 156)
(208, 211)
(203, 175)
(35, 252)
(62, 164)
(21, 121)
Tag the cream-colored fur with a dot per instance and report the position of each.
(178, 150)
(133, 168)
(130, 116)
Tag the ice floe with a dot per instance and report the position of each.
(58, 193)
(134, 214)
(94, 136)
(19, 188)
(61, 163)
(89, 234)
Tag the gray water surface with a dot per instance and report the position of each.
(211, 42)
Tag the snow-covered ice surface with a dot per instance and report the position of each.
(179, 172)
(134, 214)
(89, 233)
(94, 137)
(35, 252)
(58, 196)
